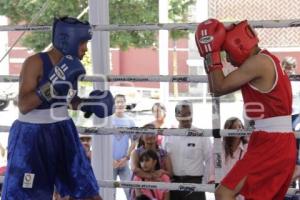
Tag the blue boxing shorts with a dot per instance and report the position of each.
(43, 154)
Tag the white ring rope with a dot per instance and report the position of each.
(148, 78)
(132, 78)
(192, 187)
(195, 132)
(157, 26)
(138, 78)
(166, 132)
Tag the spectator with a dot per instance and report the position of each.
(234, 148)
(149, 163)
(159, 112)
(148, 142)
(289, 65)
(190, 156)
(140, 140)
(86, 143)
(121, 146)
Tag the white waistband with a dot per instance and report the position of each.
(45, 116)
(274, 124)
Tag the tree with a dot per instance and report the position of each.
(23, 11)
(178, 13)
(133, 12)
(121, 12)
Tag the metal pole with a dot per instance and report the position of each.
(163, 50)
(102, 145)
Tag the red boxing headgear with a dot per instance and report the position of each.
(239, 41)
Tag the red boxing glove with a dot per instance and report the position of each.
(210, 36)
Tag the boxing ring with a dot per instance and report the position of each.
(216, 132)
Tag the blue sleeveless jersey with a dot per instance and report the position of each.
(47, 68)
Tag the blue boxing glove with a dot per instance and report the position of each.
(100, 103)
(61, 79)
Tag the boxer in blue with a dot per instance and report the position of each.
(44, 150)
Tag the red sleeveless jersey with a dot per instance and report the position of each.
(275, 102)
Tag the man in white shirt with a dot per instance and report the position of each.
(190, 156)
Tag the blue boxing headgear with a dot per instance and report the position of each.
(67, 33)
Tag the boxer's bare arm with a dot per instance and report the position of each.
(259, 70)
(30, 74)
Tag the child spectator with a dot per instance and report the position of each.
(147, 142)
(149, 163)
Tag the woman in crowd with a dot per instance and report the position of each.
(159, 112)
(234, 148)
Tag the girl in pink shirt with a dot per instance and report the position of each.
(149, 162)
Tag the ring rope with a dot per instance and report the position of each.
(191, 187)
(138, 78)
(132, 78)
(194, 132)
(157, 26)
(148, 78)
